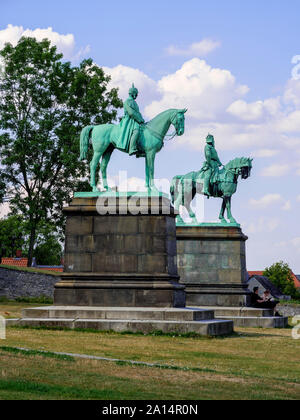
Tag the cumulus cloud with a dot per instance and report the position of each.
(123, 77)
(197, 49)
(263, 224)
(255, 110)
(276, 170)
(217, 103)
(264, 153)
(65, 43)
(265, 201)
(204, 90)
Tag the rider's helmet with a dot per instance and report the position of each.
(133, 90)
(210, 139)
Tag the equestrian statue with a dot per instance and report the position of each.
(132, 136)
(210, 181)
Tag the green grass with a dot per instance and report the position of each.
(38, 300)
(16, 350)
(31, 270)
(251, 364)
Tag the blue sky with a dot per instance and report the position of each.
(228, 62)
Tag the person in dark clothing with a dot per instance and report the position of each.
(263, 303)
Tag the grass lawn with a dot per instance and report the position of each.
(252, 364)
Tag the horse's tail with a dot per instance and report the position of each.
(173, 187)
(84, 141)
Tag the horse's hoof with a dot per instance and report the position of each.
(223, 221)
(95, 189)
(179, 220)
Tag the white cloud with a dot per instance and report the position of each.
(298, 198)
(263, 224)
(264, 153)
(276, 170)
(197, 49)
(204, 90)
(255, 110)
(287, 205)
(65, 43)
(216, 103)
(265, 201)
(290, 123)
(123, 77)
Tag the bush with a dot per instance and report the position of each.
(280, 274)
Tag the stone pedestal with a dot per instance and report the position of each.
(212, 265)
(120, 251)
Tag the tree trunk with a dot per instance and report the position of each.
(31, 245)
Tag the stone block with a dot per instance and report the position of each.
(153, 224)
(115, 263)
(142, 244)
(152, 264)
(78, 262)
(121, 224)
(79, 224)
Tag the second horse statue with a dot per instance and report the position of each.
(211, 182)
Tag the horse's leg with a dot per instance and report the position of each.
(228, 206)
(179, 192)
(104, 163)
(93, 166)
(99, 149)
(191, 213)
(189, 196)
(150, 157)
(222, 212)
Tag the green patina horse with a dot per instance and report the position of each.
(105, 137)
(184, 187)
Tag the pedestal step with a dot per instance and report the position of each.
(206, 328)
(144, 320)
(86, 312)
(258, 322)
(250, 317)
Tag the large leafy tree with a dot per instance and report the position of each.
(44, 104)
(280, 275)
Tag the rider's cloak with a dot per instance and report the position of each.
(130, 122)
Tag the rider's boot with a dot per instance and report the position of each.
(133, 143)
(206, 187)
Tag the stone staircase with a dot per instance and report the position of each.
(249, 317)
(145, 320)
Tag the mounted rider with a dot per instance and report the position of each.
(211, 165)
(130, 126)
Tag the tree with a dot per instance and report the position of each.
(48, 252)
(280, 274)
(12, 235)
(44, 104)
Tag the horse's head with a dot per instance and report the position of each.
(240, 166)
(178, 121)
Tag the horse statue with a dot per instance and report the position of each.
(104, 139)
(184, 187)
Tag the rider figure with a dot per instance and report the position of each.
(212, 164)
(131, 123)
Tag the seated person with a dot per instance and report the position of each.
(264, 303)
